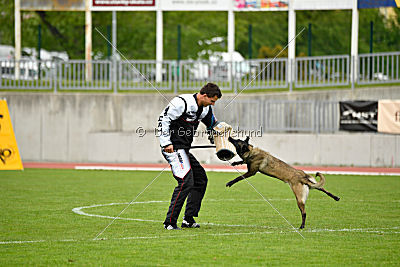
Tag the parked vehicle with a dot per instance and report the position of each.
(30, 68)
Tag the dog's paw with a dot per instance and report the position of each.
(229, 184)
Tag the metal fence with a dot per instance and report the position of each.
(300, 116)
(322, 71)
(242, 114)
(264, 73)
(378, 68)
(142, 75)
(248, 74)
(27, 74)
(280, 116)
(81, 74)
(191, 75)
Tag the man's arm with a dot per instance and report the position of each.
(209, 120)
(172, 112)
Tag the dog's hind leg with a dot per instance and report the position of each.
(301, 192)
(328, 193)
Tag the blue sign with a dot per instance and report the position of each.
(378, 3)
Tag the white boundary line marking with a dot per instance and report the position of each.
(360, 230)
(132, 201)
(216, 169)
(78, 210)
(21, 242)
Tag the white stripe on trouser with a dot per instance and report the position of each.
(179, 162)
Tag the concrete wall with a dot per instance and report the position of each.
(83, 127)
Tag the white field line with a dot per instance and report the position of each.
(356, 173)
(21, 242)
(116, 168)
(78, 210)
(176, 234)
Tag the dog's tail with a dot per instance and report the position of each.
(314, 184)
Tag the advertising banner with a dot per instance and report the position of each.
(322, 5)
(378, 3)
(195, 5)
(53, 5)
(123, 3)
(358, 115)
(260, 5)
(389, 116)
(9, 154)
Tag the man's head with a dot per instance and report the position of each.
(209, 94)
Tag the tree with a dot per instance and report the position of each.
(331, 31)
(7, 16)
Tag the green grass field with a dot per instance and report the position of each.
(363, 228)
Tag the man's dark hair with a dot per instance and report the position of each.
(211, 90)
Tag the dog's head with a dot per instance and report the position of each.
(241, 146)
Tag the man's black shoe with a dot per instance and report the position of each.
(171, 227)
(189, 223)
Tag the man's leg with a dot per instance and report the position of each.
(197, 191)
(182, 172)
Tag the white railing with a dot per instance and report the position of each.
(378, 68)
(186, 75)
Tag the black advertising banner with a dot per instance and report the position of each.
(359, 116)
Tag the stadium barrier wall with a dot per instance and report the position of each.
(79, 127)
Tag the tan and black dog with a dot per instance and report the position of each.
(258, 160)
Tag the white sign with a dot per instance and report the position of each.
(215, 5)
(195, 5)
(322, 4)
(123, 2)
(123, 5)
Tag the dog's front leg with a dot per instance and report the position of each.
(237, 163)
(241, 177)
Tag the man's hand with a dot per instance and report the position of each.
(169, 149)
(222, 127)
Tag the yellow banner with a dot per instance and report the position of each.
(389, 116)
(10, 158)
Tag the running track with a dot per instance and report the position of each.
(208, 167)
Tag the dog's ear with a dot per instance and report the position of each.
(247, 139)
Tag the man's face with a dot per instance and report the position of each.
(209, 100)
